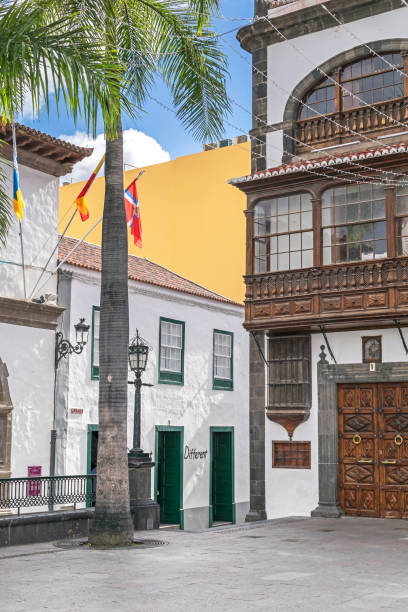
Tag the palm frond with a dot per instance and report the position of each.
(45, 52)
(188, 58)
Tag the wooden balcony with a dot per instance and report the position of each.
(321, 132)
(361, 294)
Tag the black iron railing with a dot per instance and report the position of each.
(47, 491)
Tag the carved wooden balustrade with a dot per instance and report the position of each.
(303, 299)
(321, 131)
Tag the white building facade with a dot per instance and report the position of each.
(194, 417)
(327, 258)
(27, 328)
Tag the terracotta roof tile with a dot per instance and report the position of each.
(140, 269)
(323, 162)
(30, 139)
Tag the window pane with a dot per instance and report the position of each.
(351, 239)
(295, 242)
(171, 346)
(283, 223)
(306, 201)
(295, 260)
(283, 243)
(283, 261)
(380, 248)
(294, 222)
(282, 206)
(307, 240)
(222, 355)
(294, 203)
(307, 220)
(307, 259)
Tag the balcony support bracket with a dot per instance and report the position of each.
(398, 325)
(322, 329)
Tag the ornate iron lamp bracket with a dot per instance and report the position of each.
(63, 347)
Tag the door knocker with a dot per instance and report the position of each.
(398, 440)
(357, 439)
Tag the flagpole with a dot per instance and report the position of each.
(137, 178)
(22, 260)
(70, 253)
(50, 257)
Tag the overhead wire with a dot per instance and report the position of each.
(332, 80)
(317, 115)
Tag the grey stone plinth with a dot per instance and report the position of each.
(252, 516)
(327, 511)
(145, 512)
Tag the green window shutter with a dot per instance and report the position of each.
(223, 360)
(95, 343)
(171, 351)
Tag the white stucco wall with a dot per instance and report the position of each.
(29, 355)
(287, 67)
(40, 229)
(295, 492)
(194, 405)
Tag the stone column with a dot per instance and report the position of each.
(329, 506)
(261, 7)
(256, 430)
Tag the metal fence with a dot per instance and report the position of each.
(47, 491)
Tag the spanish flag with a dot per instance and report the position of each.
(17, 195)
(81, 201)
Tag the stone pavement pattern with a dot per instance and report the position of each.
(306, 565)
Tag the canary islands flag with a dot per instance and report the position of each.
(17, 195)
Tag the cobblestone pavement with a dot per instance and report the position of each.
(291, 564)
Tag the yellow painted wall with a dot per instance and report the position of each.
(192, 219)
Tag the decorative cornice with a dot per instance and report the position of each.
(322, 163)
(307, 20)
(29, 314)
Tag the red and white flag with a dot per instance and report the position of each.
(133, 213)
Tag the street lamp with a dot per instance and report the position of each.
(63, 347)
(138, 355)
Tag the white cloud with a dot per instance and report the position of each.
(138, 150)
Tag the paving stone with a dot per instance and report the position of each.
(299, 564)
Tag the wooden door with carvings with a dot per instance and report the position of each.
(393, 449)
(358, 450)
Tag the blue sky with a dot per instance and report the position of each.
(161, 125)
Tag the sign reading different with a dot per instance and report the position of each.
(192, 453)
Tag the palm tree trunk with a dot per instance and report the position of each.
(112, 524)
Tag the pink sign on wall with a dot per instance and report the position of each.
(33, 486)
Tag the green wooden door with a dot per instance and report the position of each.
(169, 476)
(222, 476)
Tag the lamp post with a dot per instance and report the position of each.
(138, 355)
(63, 347)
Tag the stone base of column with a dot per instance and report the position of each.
(255, 515)
(327, 511)
(145, 512)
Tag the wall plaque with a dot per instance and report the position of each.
(372, 350)
(33, 486)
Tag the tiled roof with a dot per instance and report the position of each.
(140, 269)
(323, 162)
(29, 138)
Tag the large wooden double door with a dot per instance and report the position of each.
(373, 449)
